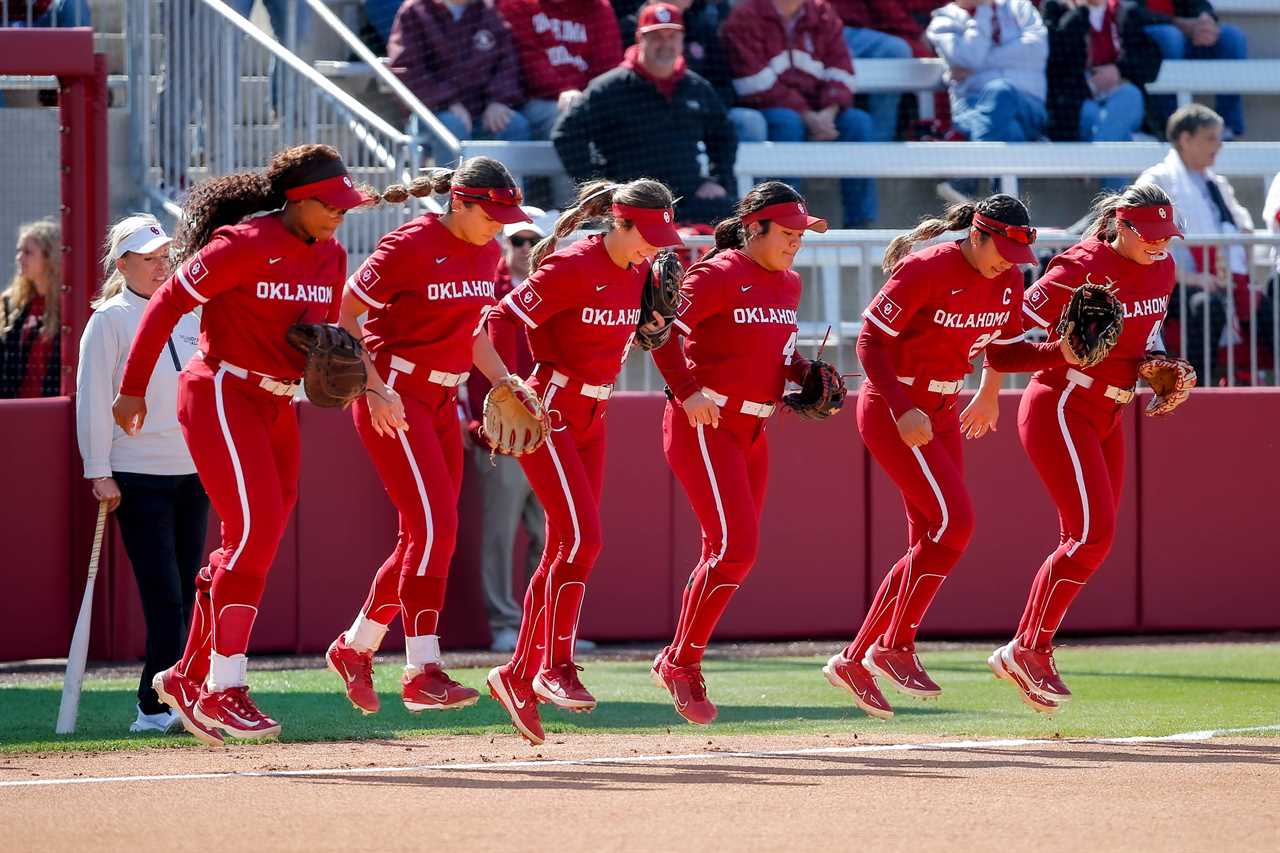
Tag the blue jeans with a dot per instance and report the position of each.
(1231, 44)
(517, 130)
(873, 44)
(861, 206)
(1114, 118)
(1001, 112)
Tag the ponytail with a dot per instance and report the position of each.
(955, 218)
(595, 198)
(476, 172)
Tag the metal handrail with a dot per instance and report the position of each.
(406, 96)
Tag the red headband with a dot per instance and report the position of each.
(500, 203)
(1152, 221)
(337, 191)
(656, 224)
(788, 214)
(1012, 241)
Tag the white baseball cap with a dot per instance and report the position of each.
(144, 239)
(540, 222)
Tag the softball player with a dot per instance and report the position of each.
(252, 279)
(581, 308)
(940, 308)
(425, 288)
(1069, 419)
(738, 314)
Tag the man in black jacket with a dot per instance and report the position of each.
(647, 118)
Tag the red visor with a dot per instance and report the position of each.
(338, 191)
(788, 214)
(656, 224)
(1013, 241)
(501, 203)
(1153, 222)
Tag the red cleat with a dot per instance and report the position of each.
(1001, 671)
(561, 686)
(1035, 672)
(852, 676)
(355, 668)
(903, 669)
(433, 690)
(516, 695)
(687, 688)
(181, 694)
(233, 712)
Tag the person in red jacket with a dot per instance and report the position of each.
(424, 292)
(940, 308)
(581, 306)
(737, 316)
(252, 278)
(1070, 418)
(790, 61)
(457, 56)
(563, 45)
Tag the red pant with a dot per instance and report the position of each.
(567, 475)
(724, 472)
(421, 469)
(244, 442)
(1074, 439)
(939, 513)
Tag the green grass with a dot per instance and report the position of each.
(1120, 691)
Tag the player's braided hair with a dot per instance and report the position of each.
(1103, 211)
(593, 202)
(227, 199)
(957, 217)
(731, 234)
(476, 172)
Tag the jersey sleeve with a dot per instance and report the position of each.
(386, 272)
(213, 270)
(552, 288)
(907, 289)
(700, 298)
(1043, 302)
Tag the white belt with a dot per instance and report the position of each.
(439, 377)
(937, 386)
(266, 383)
(596, 392)
(759, 410)
(1120, 395)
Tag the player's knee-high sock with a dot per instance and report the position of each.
(709, 595)
(195, 657)
(566, 586)
(421, 600)
(878, 614)
(1031, 611)
(530, 643)
(1063, 578)
(235, 597)
(928, 565)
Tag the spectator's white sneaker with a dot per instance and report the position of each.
(948, 193)
(584, 646)
(504, 640)
(164, 722)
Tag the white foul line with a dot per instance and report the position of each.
(943, 746)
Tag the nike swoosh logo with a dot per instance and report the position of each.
(274, 260)
(514, 701)
(747, 287)
(439, 697)
(954, 292)
(442, 260)
(182, 694)
(916, 625)
(894, 671)
(600, 287)
(696, 646)
(565, 637)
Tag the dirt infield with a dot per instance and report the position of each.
(647, 792)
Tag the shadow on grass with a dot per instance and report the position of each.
(1128, 675)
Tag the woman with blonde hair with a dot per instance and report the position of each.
(30, 343)
(147, 479)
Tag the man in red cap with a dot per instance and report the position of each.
(648, 117)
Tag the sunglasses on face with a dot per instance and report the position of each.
(522, 242)
(1135, 230)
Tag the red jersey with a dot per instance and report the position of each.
(1143, 290)
(251, 281)
(941, 312)
(740, 323)
(581, 309)
(427, 292)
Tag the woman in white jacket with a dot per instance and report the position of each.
(148, 479)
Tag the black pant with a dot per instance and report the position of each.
(162, 521)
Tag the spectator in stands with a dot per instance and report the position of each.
(508, 501)
(458, 58)
(790, 61)
(1189, 29)
(880, 29)
(1099, 58)
(1271, 213)
(381, 15)
(703, 50)
(45, 13)
(648, 117)
(995, 51)
(147, 479)
(563, 45)
(1206, 204)
(30, 315)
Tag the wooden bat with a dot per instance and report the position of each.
(70, 705)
